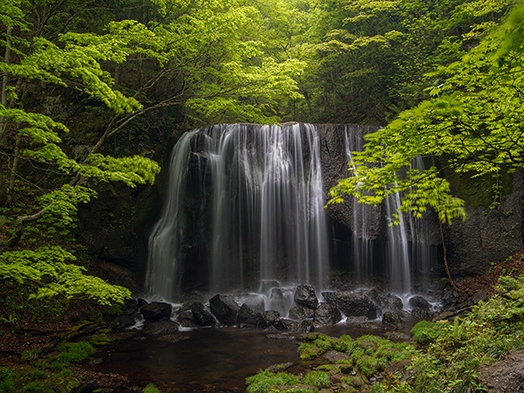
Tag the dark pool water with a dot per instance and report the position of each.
(209, 360)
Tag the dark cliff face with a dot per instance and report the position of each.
(489, 235)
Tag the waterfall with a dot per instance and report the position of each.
(407, 253)
(244, 208)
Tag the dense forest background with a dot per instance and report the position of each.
(93, 93)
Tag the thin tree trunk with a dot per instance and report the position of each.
(3, 120)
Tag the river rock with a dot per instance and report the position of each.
(298, 312)
(393, 303)
(288, 325)
(419, 302)
(224, 308)
(160, 327)
(156, 311)
(392, 319)
(352, 304)
(305, 296)
(268, 318)
(247, 316)
(185, 318)
(326, 314)
(201, 316)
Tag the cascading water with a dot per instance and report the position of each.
(407, 253)
(244, 209)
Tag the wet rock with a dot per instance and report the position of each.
(327, 314)
(352, 304)
(305, 296)
(185, 318)
(393, 303)
(247, 316)
(160, 327)
(156, 311)
(255, 302)
(298, 312)
(201, 316)
(286, 325)
(334, 356)
(279, 367)
(419, 313)
(419, 302)
(268, 318)
(224, 308)
(392, 319)
(123, 321)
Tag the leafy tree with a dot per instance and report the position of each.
(473, 126)
(211, 59)
(371, 57)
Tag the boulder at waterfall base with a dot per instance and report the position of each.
(224, 308)
(156, 311)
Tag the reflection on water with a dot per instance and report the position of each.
(210, 360)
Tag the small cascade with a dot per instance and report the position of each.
(244, 208)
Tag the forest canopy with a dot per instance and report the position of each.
(88, 86)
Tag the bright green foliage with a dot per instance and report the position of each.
(318, 379)
(150, 388)
(457, 349)
(426, 332)
(265, 380)
(49, 267)
(368, 59)
(473, 127)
